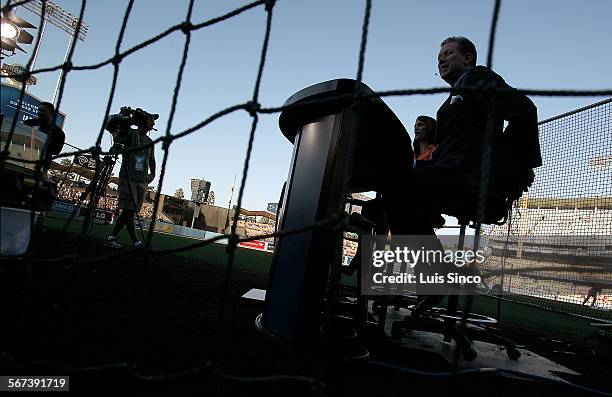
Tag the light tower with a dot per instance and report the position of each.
(57, 16)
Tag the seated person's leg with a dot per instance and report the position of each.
(411, 215)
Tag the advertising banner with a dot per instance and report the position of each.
(256, 245)
(9, 99)
(62, 206)
(85, 160)
(272, 207)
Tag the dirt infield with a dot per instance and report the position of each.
(150, 319)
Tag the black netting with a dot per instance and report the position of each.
(584, 176)
(558, 253)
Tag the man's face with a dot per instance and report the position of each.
(45, 115)
(420, 130)
(452, 63)
(148, 126)
(150, 123)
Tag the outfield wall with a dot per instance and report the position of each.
(198, 234)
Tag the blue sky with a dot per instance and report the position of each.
(540, 44)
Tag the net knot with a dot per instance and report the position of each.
(253, 108)
(95, 151)
(270, 5)
(67, 66)
(232, 242)
(117, 59)
(25, 76)
(186, 27)
(166, 141)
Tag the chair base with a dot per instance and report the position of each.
(437, 321)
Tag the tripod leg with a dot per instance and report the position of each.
(100, 181)
(99, 184)
(76, 209)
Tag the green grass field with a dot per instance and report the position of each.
(246, 259)
(260, 262)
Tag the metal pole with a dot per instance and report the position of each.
(37, 48)
(59, 80)
(229, 206)
(197, 208)
(32, 140)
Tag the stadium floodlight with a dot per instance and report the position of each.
(13, 33)
(57, 16)
(9, 31)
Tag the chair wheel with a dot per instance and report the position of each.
(469, 354)
(513, 353)
(398, 331)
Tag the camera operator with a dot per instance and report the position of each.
(137, 167)
(55, 135)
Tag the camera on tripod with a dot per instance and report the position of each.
(120, 125)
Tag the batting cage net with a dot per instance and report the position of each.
(556, 249)
(571, 195)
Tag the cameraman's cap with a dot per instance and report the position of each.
(154, 116)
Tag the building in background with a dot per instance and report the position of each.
(26, 142)
(200, 189)
(211, 198)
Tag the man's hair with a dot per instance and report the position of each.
(47, 105)
(464, 45)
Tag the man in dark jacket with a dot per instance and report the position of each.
(452, 181)
(462, 121)
(480, 99)
(55, 135)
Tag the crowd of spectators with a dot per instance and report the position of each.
(71, 191)
(146, 211)
(254, 228)
(349, 248)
